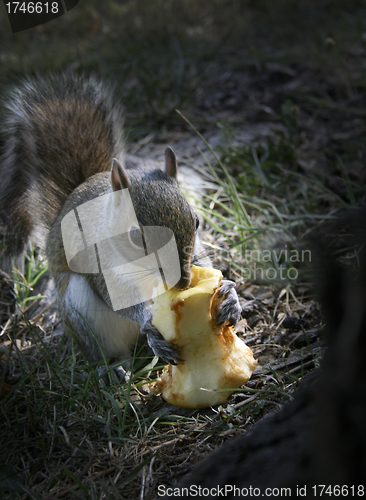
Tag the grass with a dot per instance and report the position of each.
(264, 209)
(63, 434)
(24, 283)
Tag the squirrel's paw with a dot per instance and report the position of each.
(165, 350)
(229, 309)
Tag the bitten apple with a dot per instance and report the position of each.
(216, 361)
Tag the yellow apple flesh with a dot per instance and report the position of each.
(216, 361)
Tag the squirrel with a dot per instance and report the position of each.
(63, 145)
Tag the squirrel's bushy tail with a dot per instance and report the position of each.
(55, 134)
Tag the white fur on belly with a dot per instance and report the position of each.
(116, 335)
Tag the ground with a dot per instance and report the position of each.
(272, 119)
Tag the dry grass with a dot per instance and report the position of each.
(66, 437)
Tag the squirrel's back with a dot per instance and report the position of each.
(56, 134)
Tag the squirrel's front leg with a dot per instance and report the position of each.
(160, 347)
(229, 309)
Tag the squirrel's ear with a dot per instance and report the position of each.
(170, 163)
(119, 176)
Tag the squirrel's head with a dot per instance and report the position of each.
(158, 202)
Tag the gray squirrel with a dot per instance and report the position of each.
(61, 146)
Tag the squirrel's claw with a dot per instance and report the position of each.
(160, 347)
(229, 309)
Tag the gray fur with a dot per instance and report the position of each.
(58, 132)
(59, 139)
